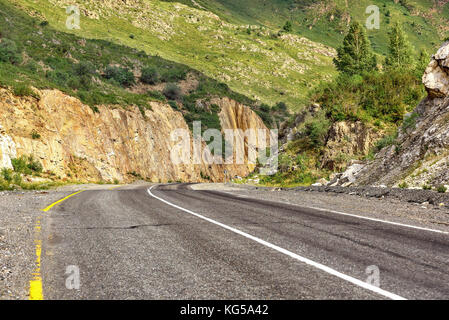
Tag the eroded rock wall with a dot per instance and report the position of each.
(115, 143)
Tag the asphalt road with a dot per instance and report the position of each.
(129, 243)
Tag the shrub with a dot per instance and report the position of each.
(4, 185)
(35, 135)
(156, 95)
(173, 74)
(23, 90)
(386, 141)
(280, 106)
(442, 189)
(123, 76)
(288, 26)
(150, 76)
(57, 77)
(26, 165)
(173, 104)
(426, 187)
(17, 179)
(172, 91)
(34, 165)
(316, 131)
(84, 69)
(403, 185)
(9, 52)
(19, 164)
(7, 174)
(410, 122)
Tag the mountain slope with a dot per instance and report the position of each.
(425, 21)
(419, 155)
(254, 61)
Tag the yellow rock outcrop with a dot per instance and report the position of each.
(114, 143)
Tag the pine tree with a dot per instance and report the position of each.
(355, 56)
(400, 54)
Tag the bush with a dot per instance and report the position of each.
(386, 142)
(173, 74)
(288, 26)
(172, 91)
(34, 165)
(403, 185)
(7, 174)
(23, 90)
(173, 104)
(17, 179)
(386, 96)
(442, 189)
(84, 69)
(410, 122)
(150, 76)
(19, 164)
(35, 135)
(9, 52)
(156, 95)
(26, 165)
(316, 131)
(57, 77)
(281, 106)
(122, 76)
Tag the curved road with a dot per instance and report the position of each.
(172, 242)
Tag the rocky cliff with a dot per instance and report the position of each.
(72, 141)
(419, 157)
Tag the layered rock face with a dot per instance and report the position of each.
(420, 155)
(72, 141)
(436, 76)
(345, 141)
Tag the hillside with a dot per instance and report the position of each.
(425, 21)
(418, 155)
(255, 61)
(76, 109)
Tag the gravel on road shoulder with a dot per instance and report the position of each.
(19, 212)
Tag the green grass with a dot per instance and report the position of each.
(98, 72)
(259, 65)
(326, 21)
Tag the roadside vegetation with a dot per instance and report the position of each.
(26, 169)
(375, 90)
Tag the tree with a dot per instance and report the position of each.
(400, 54)
(355, 56)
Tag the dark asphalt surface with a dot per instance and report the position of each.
(129, 245)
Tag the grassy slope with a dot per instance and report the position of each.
(50, 58)
(257, 65)
(425, 21)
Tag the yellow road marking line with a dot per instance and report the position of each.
(36, 292)
(115, 187)
(36, 282)
(59, 201)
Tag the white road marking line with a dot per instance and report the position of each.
(286, 252)
(346, 214)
